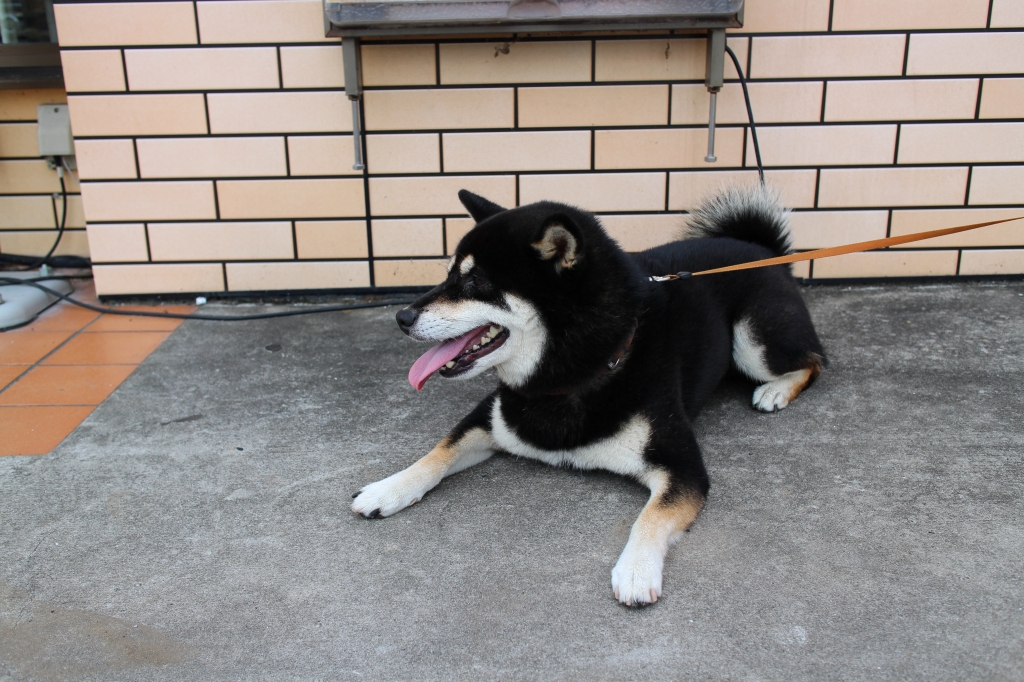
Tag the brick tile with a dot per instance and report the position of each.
(117, 243)
(385, 65)
(828, 56)
(266, 21)
(686, 190)
(37, 430)
(997, 185)
(408, 273)
(822, 229)
(26, 212)
(38, 243)
(105, 159)
(20, 105)
(70, 385)
(125, 201)
(112, 280)
(137, 115)
(280, 112)
(601, 105)
(439, 109)
(8, 373)
(785, 16)
(76, 216)
(825, 145)
(437, 195)
(884, 187)
(18, 139)
(970, 53)
(27, 348)
(125, 23)
(196, 68)
(1003, 234)
(883, 15)
(140, 323)
(1007, 14)
(665, 148)
(304, 275)
(771, 102)
(541, 62)
(321, 155)
(24, 177)
(658, 59)
(62, 317)
(220, 241)
(313, 66)
(107, 348)
(340, 198)
(455, 230)
(408, 237)
(331, 238)
(1002, 98)
(468, 152)
(962, 142)
(639, 232)
(904, 99)
(211, 157)
(887, 264)
(92, 70)
(403, 153)
(992, 262)
(597, 192)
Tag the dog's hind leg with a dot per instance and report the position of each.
(468, 444)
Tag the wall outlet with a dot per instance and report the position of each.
(55, 130)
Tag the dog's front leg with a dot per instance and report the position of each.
(679, 486)
(468, 443)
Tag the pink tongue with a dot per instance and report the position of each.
(440, 355)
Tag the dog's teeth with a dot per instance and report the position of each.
(476, 347)
(484, 341)
(494, 330)
(449, 364)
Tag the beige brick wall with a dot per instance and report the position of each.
(30, 203)
(215, 143)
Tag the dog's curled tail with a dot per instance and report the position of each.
(750, 213)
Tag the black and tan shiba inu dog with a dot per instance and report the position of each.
(599, 367)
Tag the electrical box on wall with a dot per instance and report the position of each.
(55, 130)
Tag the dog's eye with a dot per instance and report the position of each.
(475, 281)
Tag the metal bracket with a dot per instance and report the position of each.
(354, 91)
(714, 77)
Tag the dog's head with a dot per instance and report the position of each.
(540, 293)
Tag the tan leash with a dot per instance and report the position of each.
(833, 251)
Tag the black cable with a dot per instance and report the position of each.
(193, 316)
(750, 112)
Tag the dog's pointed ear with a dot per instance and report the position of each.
(481, 209)
(561, 241)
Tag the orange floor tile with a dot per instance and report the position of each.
(107, 348)
(28, 348)
(54, 371)
(9, 373)
(37, 430)
(66, 385)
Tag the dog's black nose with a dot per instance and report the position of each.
(407, 318)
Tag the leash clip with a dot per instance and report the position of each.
(669, 278)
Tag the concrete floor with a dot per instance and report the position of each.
(196, 525)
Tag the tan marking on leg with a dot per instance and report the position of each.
(407, 487)
(780, 392)
(636, 578)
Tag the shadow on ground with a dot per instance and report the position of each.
(196, 526)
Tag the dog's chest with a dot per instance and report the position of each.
(621, 452)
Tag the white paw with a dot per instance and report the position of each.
(772, 396)
(393, 494)
(636, 578)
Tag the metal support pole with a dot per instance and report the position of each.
(714, 77)
(354, 91)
